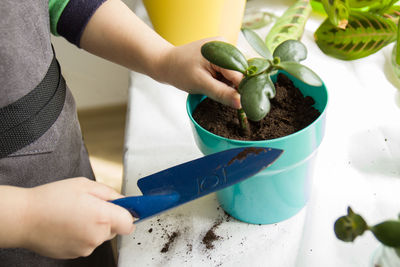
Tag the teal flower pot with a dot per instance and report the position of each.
(280, 191)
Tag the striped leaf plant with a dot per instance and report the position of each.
(290, 25)
(357, 28)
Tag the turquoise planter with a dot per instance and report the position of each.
(281, 190)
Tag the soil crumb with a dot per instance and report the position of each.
(171, 239)
(210, 237)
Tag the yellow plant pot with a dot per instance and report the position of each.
(184, 21)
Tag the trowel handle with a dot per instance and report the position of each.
(147, 205)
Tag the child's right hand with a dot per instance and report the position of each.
(70, 218)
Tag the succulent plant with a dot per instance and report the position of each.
(256, 88)
(347, 228)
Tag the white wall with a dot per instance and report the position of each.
(93, 81)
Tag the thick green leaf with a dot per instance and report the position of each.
(365, 34)
(291, 50)
(257, 65)
(338, 12)
(255, 92)
(290, 25)
(257, 43)
(388, 233)
(224, 55)
(301, 72)
(349, 227)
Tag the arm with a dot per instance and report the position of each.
(13, 207)
(115, 33)
(63, 219)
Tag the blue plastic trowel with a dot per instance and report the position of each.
(185, 182)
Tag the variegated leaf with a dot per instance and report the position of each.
(256, 19)
(382, 6)
(393, 13)
(363, 3)
(398, 51)
(365, 34)
(290, 26)
(338, 12)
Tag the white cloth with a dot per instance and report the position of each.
(358, 164)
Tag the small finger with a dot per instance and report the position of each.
(234, 76)
(221, 92)
(121, 220)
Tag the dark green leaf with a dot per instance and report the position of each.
(224, 55)
(365, 34)
(258, 65)
(301, 72)
(349, 227)
(291, 50)
(255, 92)
(388, 233)
(257, 43)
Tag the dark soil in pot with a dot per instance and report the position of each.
(290, 112)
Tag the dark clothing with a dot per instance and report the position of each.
(25, 56)
(75, 17)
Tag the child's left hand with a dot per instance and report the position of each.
(185, 68)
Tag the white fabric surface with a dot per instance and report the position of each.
(358, 164)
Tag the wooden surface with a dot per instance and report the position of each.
(103, 131)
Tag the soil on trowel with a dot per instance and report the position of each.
(290, 112)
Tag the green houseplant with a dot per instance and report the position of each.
(281, 190)
(357, 28)
(257, 88)
(348, 227)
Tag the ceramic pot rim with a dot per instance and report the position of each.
(246, 142)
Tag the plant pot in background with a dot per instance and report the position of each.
(280, 191)
(182, 21)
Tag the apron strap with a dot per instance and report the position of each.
(28, 118)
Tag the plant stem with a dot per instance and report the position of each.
(244, 123)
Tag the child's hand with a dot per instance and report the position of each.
(185, 68)
(115, 33)
(70, 218)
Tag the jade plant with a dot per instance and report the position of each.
(256, 88)
(347, 228)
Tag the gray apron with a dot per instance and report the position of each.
(25, 56)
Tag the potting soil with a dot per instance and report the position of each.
(290, 112)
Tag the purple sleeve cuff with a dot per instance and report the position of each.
(75, 17)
